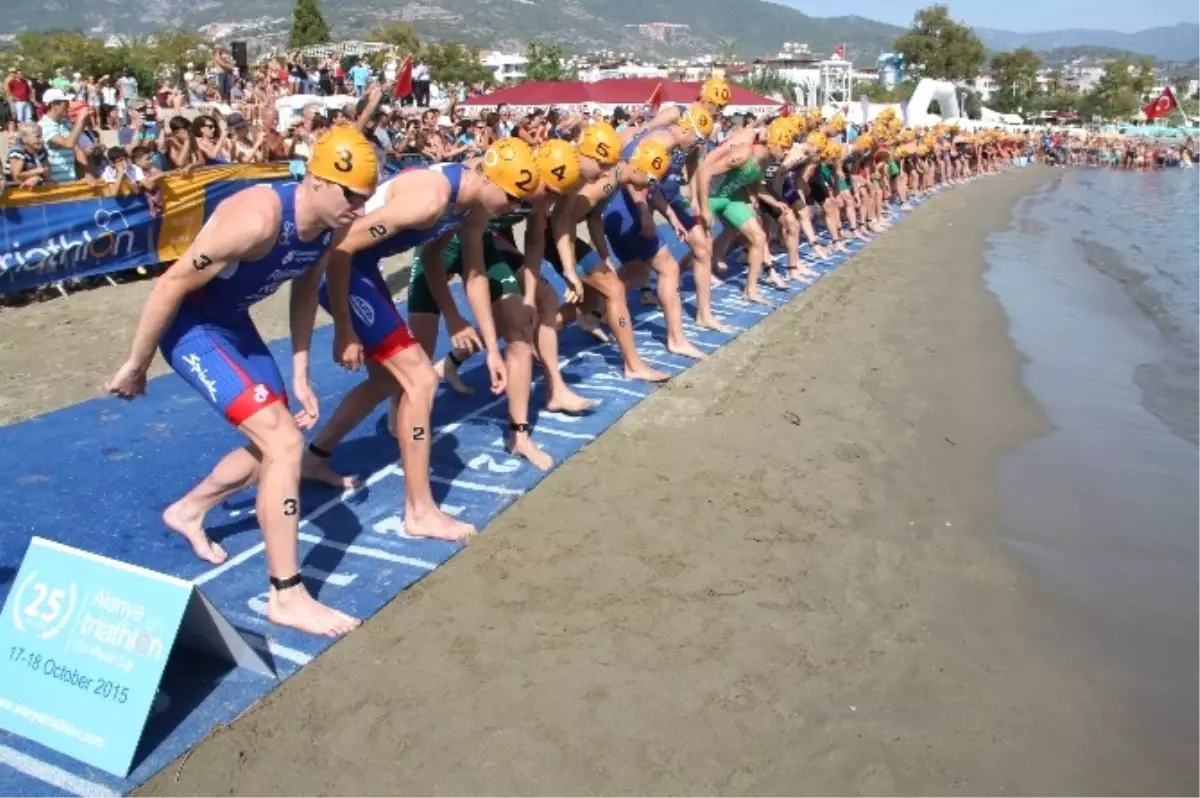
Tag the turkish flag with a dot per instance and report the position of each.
(655, 99)
(785, 110)
(403, 87)
(1161, 107)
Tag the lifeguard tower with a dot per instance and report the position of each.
(835, 79)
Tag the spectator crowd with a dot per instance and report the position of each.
(115, 135)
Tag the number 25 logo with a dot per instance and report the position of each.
(42, 610)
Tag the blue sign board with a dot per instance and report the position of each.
(83, 644)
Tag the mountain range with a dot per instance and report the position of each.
(1171, 43)
(755, 27)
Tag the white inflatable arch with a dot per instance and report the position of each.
(923, 96)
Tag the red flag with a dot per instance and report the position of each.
(785, 111)
(1163, 106)
(403, 86)
(840, 53)
(655, 98)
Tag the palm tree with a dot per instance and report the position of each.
(1182, 88)
(727, 50)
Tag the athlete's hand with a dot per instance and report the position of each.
(706, 219)
(128, 382)
(306, 416)
(498, 372)
(347, 349)
(574, 292)
(463, 335)
(679, 231)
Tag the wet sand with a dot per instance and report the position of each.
(775, 576)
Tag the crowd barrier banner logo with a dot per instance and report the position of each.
(66, 232)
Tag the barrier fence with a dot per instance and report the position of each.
(48, 235)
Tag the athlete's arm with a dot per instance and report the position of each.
(759, 190)
(595, 226)
(243, 227)
(414, 201)
(303, 302)
(690, 167)
(535, 249)
(562, 227)
(665, 116)
(645, 215)
(475, 278)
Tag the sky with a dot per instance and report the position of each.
(1022, 16)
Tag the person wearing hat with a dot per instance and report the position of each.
(199, 315)
(60, 134)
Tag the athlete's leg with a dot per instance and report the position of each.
(281, 444)
(804, 216)
(559, 397)
(231, 367)
(410, 368)
(756, 238)
(667, 267)
(235, 472)
(519, 332)
(605, 281)
(701, 244)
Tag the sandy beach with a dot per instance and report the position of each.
(775, 576)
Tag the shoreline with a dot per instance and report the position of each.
(815, 604)
(1103, 507)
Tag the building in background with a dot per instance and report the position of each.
(506, 67)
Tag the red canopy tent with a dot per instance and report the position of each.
(631, 93)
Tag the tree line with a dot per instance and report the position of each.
(936, 46)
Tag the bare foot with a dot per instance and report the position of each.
(754, 296)
(712, 324)
(776, 281)
(591, 325)
(317, 469)
(803, 275)
(647, 374)
(294, 607)
(523, 446)
(569, 402)
(191, 526)
(455, 381)
(433, 523)
(686, 349)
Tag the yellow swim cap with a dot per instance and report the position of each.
(716, 91)
(509, 163)
(651, 157)
(780, 133)
(697, 119)
(342, 155)
(558, 165)
(600, 142)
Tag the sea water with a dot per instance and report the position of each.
(1098, 274)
